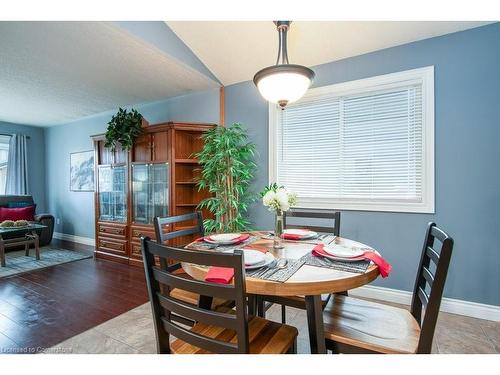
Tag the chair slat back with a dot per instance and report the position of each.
(160, 222)
(432, 280)
(161, 280)
(162, 236)
(314, 214)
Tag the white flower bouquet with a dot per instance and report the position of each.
(279, 200)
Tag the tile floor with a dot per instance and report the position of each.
(132, 332)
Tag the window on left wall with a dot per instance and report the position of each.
(4, 155)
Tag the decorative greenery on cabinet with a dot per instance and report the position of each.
(227, 162)
(123, 129)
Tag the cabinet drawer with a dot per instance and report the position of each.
(135, 251)
(113, 246)
(136, 254)
(113, 230)
(137, 233)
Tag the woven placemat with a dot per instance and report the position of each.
(359, 266)
(272, 273)
(202, 245)
(323, 238)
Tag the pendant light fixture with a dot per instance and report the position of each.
(283, 83)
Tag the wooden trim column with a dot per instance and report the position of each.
(221, 106)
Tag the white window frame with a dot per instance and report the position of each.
(425, 76)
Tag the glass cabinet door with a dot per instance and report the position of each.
(159, 189)
(140, 177)
(113, 193)
(149, 192)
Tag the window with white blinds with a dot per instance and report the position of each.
(362, 145)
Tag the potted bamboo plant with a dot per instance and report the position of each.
(227, 161)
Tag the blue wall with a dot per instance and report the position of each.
(36, 165)
(76, 209)
(467, 132)
(467, 88)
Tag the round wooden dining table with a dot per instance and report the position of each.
(309, 281)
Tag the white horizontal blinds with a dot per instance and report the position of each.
(382, 146)
(308, 153)
(359, 148)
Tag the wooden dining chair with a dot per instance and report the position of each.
(165, 231)
(333, 219)
(171, 222)
(325, 215)
(229, 331)
(353, 325)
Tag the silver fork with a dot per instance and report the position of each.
(280, 264)
(263, 269)
(266, 269)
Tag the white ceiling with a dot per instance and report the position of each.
(235, 51)
(56, 72)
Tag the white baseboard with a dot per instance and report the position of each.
(72, 238)
(449, 305)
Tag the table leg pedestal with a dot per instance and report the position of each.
(315, 324)
(205, 302)
(252, 304)
(33, 238)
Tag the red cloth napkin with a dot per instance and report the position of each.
(219, 275)
(294, 237)
(383, 266)
(223, 275)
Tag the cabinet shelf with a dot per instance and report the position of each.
(186, 161)
(186, 183)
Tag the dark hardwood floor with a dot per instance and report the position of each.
(41, 308)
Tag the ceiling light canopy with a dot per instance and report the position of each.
(283, 83)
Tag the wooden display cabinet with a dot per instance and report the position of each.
(157, 177)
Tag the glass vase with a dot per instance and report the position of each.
(278, 230)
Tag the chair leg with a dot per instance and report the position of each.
(37, 246)
(162, 343)
(332, 345)
(293, 348)
(283, 314)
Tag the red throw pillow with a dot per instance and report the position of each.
(18, 213)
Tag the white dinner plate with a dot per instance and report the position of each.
(253, 257)
(339, 251)
(223, 238)
(268, 259)
(342, 259)
(303, 233)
